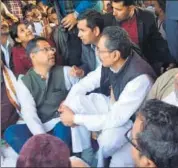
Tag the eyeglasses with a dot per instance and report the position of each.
(46, 49)
(130, 139)
(102, 51)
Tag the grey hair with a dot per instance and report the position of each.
(117, 39)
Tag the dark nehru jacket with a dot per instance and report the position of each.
(133, 67)
(47, 95)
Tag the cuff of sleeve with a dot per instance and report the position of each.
(76, 14)
(78, 119)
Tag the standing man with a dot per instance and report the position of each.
(172, 27)
(142, 29)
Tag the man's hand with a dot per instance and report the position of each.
(76, 72)
(66, 116)
(69, 21)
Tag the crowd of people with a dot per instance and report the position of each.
(90, 83)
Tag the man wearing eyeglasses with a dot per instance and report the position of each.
(40, 92)
(154, 136)
(129, 78)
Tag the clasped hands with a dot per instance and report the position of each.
(66, 115)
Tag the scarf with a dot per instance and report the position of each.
(10, 83)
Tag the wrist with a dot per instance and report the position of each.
(76, 14)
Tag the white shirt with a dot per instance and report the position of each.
(98, 62)
(120, 112)
(171, 99)
(5, 50)
(28, 106)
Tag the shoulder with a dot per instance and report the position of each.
(18, 50)
(168, 76)
(145, 14)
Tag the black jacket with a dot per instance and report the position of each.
(153, 46)
(88, 59)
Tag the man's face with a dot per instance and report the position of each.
(139, 159)
(104, 54)
(37, 16)
(157, 8)
(137, 127)
(120, 11)
(4, 28)
(29, 16)
(45, 57)
(85, 33)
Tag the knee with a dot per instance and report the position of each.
(9, 134)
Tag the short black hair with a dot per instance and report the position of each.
(27, 8)
(93, 18)
(162, 4)
(125, 2)
(117, 39)
(32, 44)
(159, 138)
(14, 32)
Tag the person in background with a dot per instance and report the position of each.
(154, 136)
(160, 8)
(42, 7)
(142, 29)
(52, 17)
(165, 88)
(172, 27)
(47, 151)
(33, 19)
(15, 7)
(6, 45)
(21, 36)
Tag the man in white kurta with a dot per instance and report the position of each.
(108, 114)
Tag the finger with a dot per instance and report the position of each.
(67, 25)
(70, 28)
(63, 20)
(66, 22)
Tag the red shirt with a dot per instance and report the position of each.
(20, 60)
(131, 27)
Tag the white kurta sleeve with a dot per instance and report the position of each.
(28, 109)
(120, 112)
(69, 80)
(87, 84)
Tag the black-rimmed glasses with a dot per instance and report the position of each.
(46, 49)
(129, 138)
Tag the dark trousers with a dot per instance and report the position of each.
(17, 135)
(172, 37)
